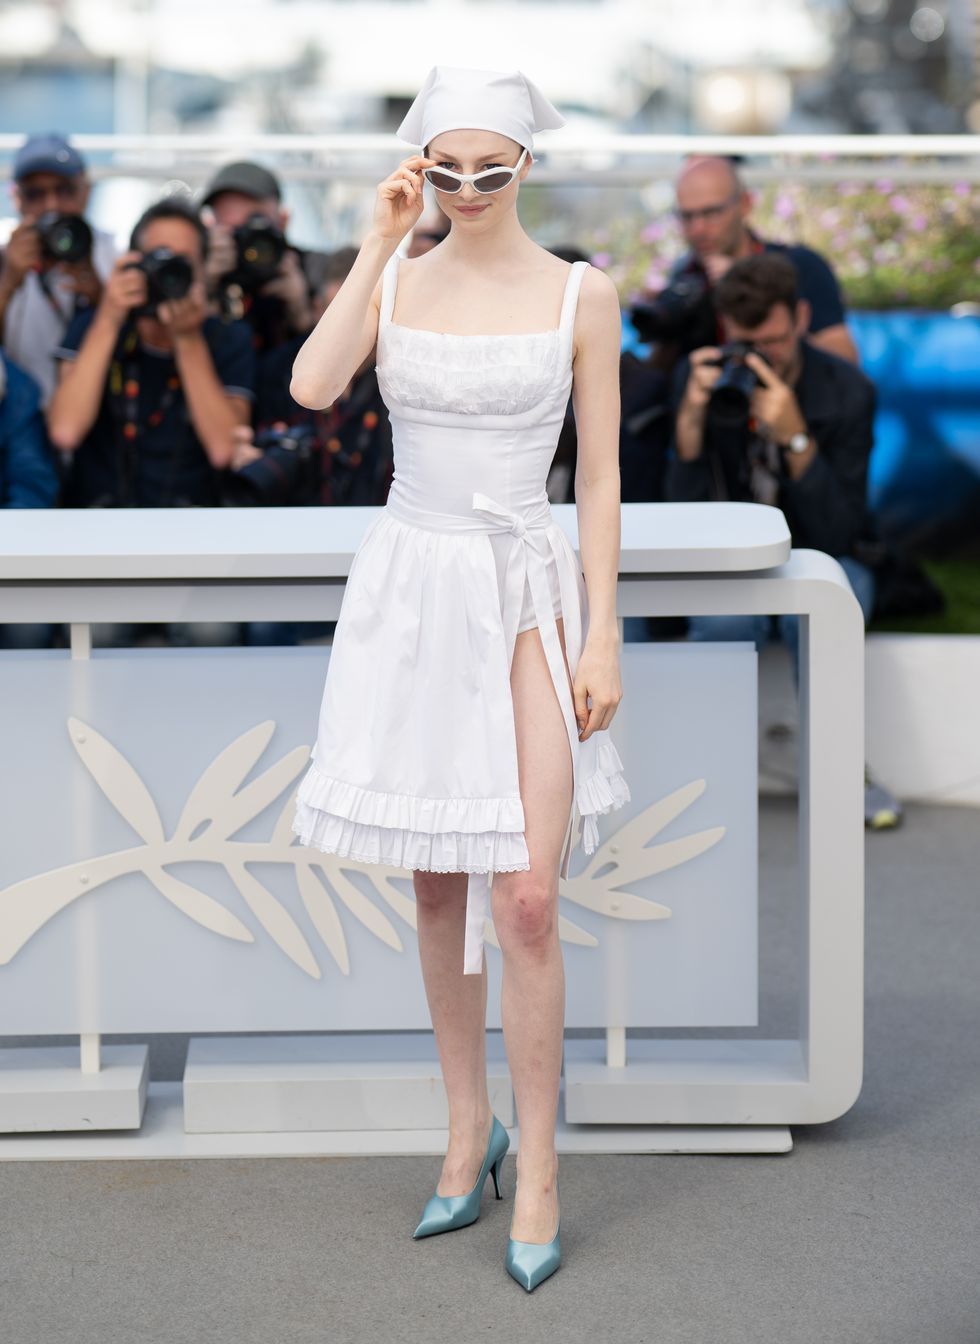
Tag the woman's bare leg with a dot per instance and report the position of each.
(525, 913)
(458, 1007)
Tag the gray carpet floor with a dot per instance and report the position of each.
(869, 1230)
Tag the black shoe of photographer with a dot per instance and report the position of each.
(882, 810)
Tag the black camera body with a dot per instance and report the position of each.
(260, 246)
(728, 405)
(64, 237)
(169, 275)
(286, 473)
(681, 307)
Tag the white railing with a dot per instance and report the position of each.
(611, 158)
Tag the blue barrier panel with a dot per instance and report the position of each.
(925, 467)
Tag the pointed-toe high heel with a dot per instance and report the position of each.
(444, 1213)
(530, 1262)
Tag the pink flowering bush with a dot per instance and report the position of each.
(891, 245)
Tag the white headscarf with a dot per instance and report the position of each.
(454, 98)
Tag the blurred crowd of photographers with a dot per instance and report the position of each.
(159, 378)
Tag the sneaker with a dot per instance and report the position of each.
(882, 810)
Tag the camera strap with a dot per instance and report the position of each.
(124, 403)
(52, 299)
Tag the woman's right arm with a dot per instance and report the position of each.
(348, 330)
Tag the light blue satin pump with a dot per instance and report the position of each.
(444, 1213)
(530, 1262)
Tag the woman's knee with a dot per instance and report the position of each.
(436, 891)
(525, 913)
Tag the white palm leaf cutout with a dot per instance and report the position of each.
(218, 807)
(118, 780)
(627, 856)
(222, 777)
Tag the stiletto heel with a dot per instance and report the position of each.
(531, 1262)
(495, 1173)
(445, 1213)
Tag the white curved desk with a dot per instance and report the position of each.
(83, 566)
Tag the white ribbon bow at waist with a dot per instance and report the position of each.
(528, 562)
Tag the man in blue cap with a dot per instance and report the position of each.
(40, 293)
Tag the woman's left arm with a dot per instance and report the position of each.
(595, 399)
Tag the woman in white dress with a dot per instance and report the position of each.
(488, 659)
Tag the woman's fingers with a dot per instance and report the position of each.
(580, 696)
(598, 716)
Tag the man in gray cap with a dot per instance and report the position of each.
(251, 269)
(40, 293)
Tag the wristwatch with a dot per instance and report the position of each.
(799, 443)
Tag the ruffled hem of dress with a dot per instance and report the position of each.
(444, 852)
(601, 792)
(404, 812)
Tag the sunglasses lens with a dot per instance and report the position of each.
(441, 181)
(493, 181)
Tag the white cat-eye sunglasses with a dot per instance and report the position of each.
(490, 180)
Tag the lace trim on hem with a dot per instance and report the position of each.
(418, 867)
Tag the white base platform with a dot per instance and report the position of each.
(163, 1136)
(684, 1082)
(43, 1089)
(352, 1081)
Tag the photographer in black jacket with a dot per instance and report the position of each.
(772, 419)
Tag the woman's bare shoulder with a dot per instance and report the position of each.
(598, 301)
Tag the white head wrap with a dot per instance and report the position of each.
(453, 98)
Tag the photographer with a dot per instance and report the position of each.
(252, 271)
(344, 453)
(150, 387)
(772, 419)
(54, 263)
(713, 208)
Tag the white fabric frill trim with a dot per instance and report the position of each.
(406, 832)
(603, 791)
(487, 834)
(467, 375)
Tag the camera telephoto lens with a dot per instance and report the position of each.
(64, 237)
(168, 274)
(728, 405)
(284, 474)
(260, 245)
(674, 310)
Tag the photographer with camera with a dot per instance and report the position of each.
(54, 263)
(151, 388)
(341, 455)
(713, 208)
(769, 417)
(252, 271)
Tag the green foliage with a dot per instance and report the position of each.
(959, 580)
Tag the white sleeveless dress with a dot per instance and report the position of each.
(415, 760)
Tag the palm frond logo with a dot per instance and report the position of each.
(220, 805)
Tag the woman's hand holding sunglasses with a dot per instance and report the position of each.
(399, 201)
